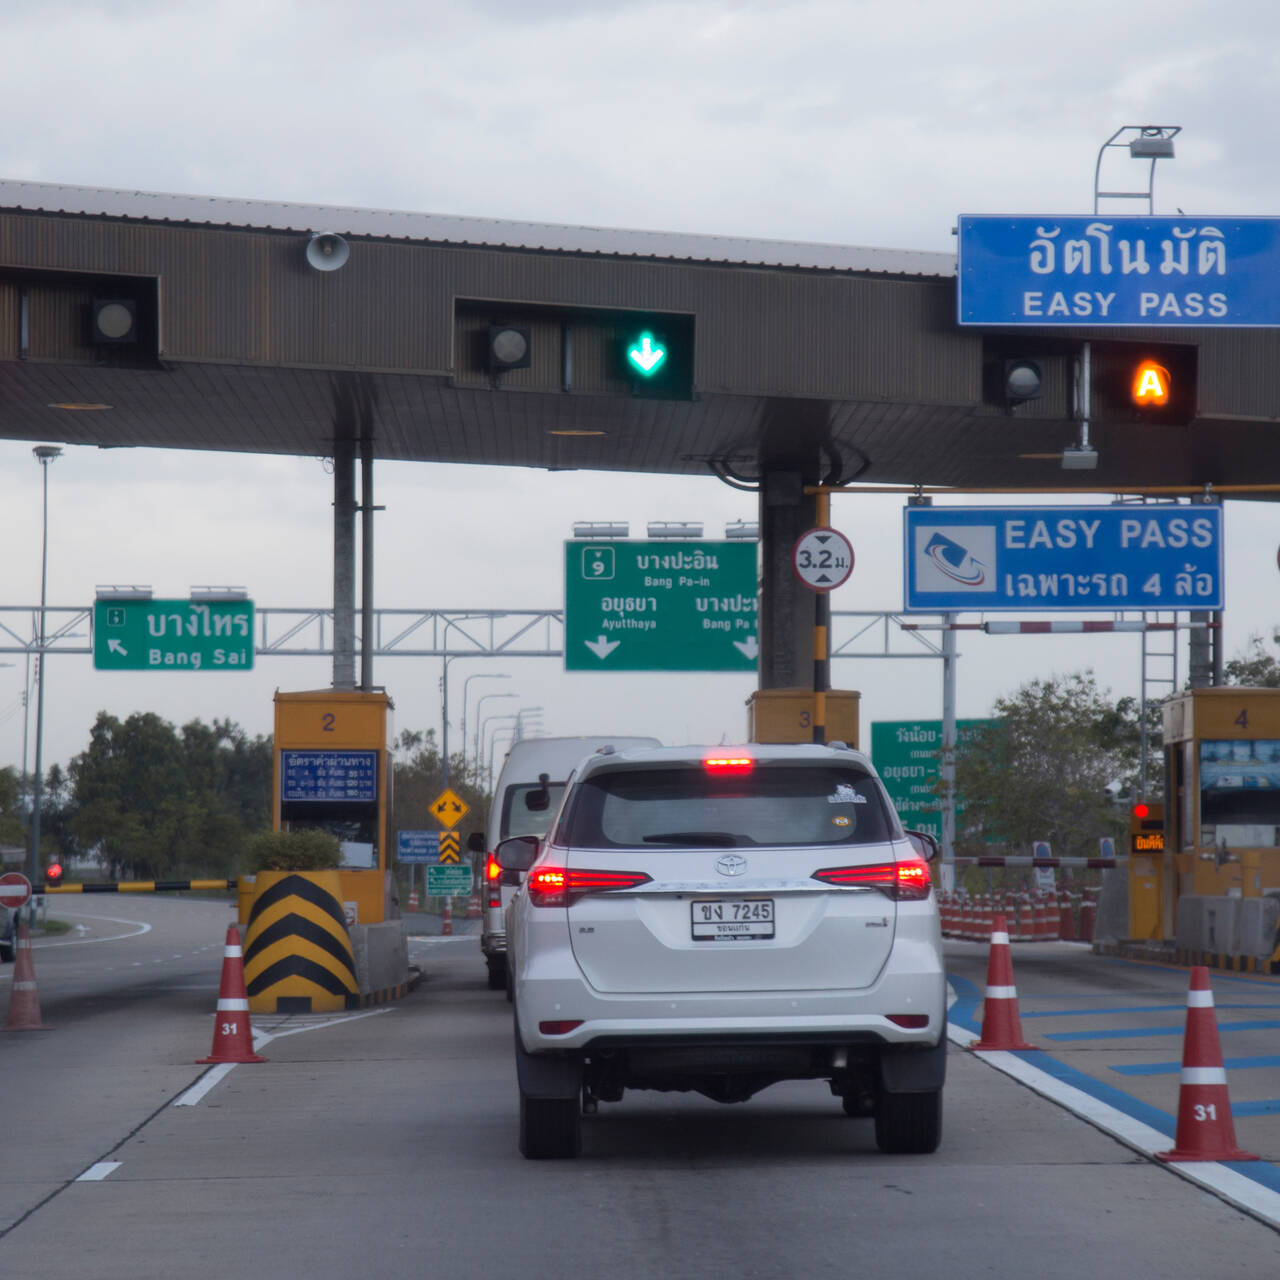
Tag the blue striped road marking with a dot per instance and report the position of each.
(1142, 1008)
(963, 1013)
(1172, 1068)
(1126, 1033)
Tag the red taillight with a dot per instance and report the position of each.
(728, 764)
(560, 887)
(909, 1021)
(905, 881)
(492, 874)
(561, 1028)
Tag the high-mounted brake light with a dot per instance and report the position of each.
(908, 881)
(728, 764)
(561, 887)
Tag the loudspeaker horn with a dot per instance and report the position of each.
(327, 251)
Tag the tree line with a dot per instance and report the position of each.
(148, 800)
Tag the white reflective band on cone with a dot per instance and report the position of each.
(1002, 993)
(229, 952)
(1199, 999)
(1000, 939)
(1204, 1075)
(233, 1005)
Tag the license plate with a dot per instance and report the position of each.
(732, 919)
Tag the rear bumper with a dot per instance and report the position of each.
(798, 1017)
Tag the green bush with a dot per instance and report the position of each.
(309, 850)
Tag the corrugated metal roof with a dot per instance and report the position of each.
(50, 197)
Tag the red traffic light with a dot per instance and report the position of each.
(1141, 810)
(53, 874)
(1152, 385)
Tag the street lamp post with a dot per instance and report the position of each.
(480, 724)
(488, 720)
(45, 454)
(466, 688)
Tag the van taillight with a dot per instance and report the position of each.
(907, 881)
(492, 878)
(561, 886)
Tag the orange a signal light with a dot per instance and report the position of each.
(1152, 385)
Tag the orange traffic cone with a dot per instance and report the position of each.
(1205, 1128)
(232, 1037)
(1001, 1026)
(24, 1000)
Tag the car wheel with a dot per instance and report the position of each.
(909, 1123)
(550, 1128)
(497, 973)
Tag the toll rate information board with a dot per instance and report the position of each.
(309, 777)
(661, 606)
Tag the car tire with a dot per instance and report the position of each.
(909, 1123)
(497, 972)
(550, 1128)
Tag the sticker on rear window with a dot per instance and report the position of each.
(845, 794)
(840, 820)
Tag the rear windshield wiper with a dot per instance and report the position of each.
(718, 839)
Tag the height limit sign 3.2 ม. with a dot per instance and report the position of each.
(822, 559)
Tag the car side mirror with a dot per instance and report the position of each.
(539, 801)
(924, 844)
(517, 853)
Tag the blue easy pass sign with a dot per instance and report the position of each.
(1115, 271)
(1063, 558)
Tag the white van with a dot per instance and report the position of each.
(524, 802)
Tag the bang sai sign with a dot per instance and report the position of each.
(1063, 558)
(1117, 271)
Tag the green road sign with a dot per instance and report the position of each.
(448, 881)
(660, 606)
(173, 635)
(905, 754)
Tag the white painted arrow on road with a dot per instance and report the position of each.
(601, 646)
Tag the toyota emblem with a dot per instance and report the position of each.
(732, 864)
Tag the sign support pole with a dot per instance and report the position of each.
(948, 762)
(821, 636)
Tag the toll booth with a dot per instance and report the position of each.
(333, 771)
(1222, 789)
(787, 715)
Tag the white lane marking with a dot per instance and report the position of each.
(203, 1085)
(216, 1074)
(96, 1172)
(139, 927)
(1231, 1186)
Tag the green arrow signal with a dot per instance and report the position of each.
(648, 356)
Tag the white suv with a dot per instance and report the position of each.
(720, 919)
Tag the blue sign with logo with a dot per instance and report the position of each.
(1119, 271)
(1063, 558)
(417, 846)
(329, 776)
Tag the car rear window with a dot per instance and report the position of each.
(800, 805)
(528, 807)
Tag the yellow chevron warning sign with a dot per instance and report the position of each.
(297, 952)
(449, 809)
(450, 846)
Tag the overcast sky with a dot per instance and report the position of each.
(867, 123)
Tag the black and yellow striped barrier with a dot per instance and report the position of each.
(297, 952)
(135, 886)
